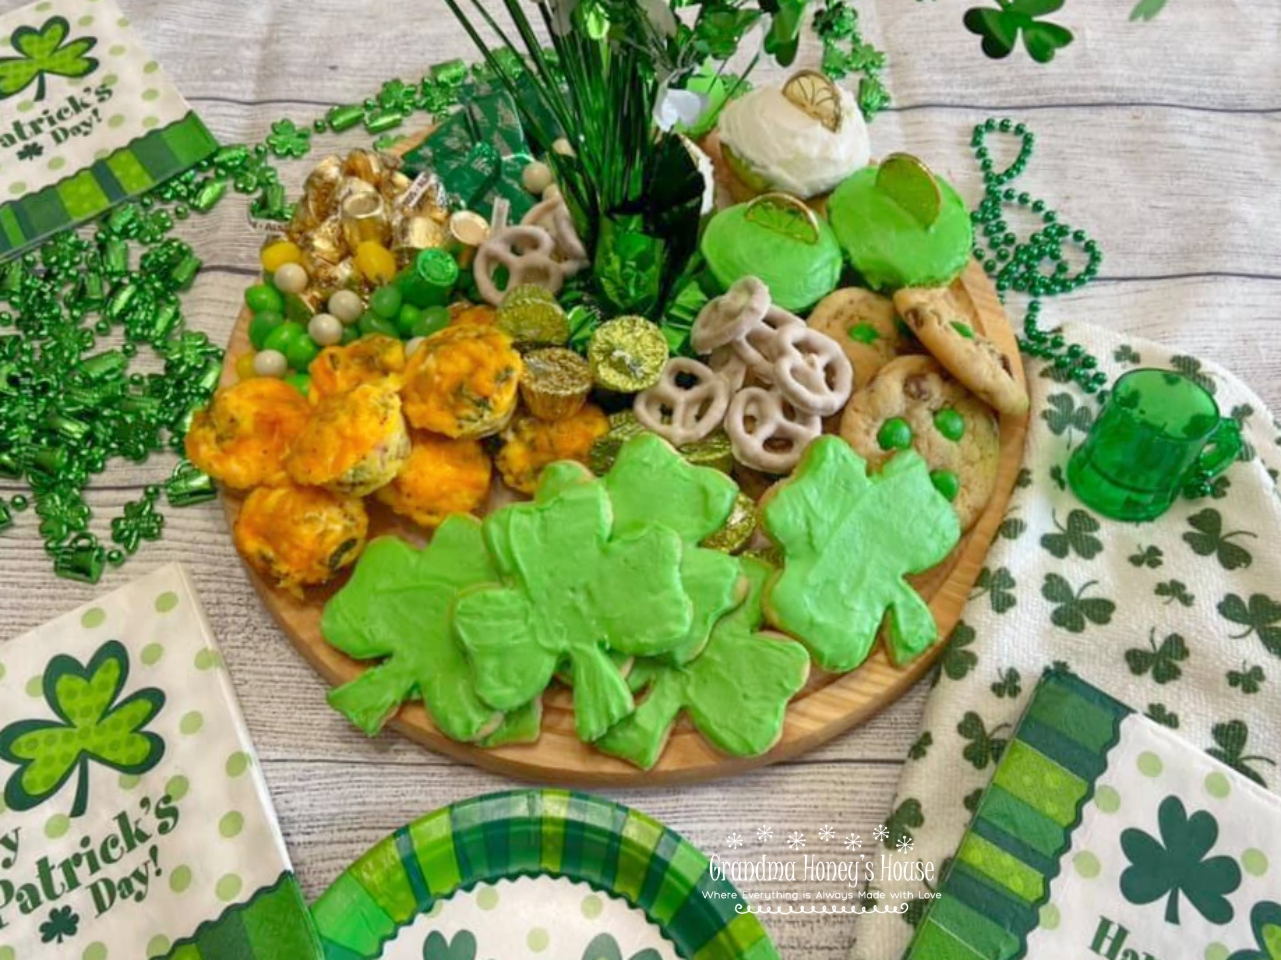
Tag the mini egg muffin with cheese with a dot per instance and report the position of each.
(462, 382)
(354, 443)
(372, 359)
(242, 437)
(441, 476)
(529, 444)
(300, 536)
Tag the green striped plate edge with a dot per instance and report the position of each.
(529, 833)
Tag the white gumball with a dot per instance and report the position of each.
(347, 306)
(291, 278)
(270, 363)
(563, 147)
(536, 177)
(552, 192)
(325, 329)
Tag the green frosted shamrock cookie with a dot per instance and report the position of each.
(568, 588)
(735, 692)
(398, 605)
(848, 541)
(651, 483)
(399, 592)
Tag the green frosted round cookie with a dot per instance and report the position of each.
(887, 242)
(775, 238)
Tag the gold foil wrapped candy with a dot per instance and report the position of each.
(360, 198)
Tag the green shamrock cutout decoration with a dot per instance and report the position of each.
(736, 691)
(93, 727)
(398, 605)
(1265, 922)
(650, 483)
(44, 51)
(1000, 28)
(1177, 864)
(844, 565)
(568, 588)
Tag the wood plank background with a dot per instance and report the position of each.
(1163, 140)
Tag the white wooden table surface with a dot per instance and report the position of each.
(1163, 140)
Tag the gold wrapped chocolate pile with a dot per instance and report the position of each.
(363, 199)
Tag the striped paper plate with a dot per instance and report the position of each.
(536, 873)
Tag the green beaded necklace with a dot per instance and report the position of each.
(1020, 266)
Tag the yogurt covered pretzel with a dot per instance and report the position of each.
(553, 216)
(729, 317)
(684, 414)
(811, 370)
(528, 255)
(768, 433)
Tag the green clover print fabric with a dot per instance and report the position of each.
(1179, 618)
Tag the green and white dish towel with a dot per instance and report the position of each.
(1179, 618)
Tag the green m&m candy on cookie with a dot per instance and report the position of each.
(902, 226)
(782, 241)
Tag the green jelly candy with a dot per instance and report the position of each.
(261, 326)
(371, 322)
(949, 423)
(350, 334)
(895, 434)
(301, 352)
(284, 335)
(407, 316)
(946, 482)
(432, 320)
(300, 382)
(386, 301)
(964, 329)
(261, 297)
(864, 333)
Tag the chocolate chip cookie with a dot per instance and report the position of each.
(913, 402)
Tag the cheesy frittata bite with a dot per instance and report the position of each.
(372, 359)
(300, 536)
(462, 382)
(442, 476)
(354, 443)
(529, 444)
(242, 437)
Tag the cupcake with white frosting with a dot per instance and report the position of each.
(802, 138)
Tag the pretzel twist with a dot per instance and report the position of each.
(527, 253)
(811, 370)
(683, 414)
(766, 432)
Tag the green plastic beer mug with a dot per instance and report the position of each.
(1158, 433)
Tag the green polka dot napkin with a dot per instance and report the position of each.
(135, 820)
(1178, 622)
(87, 118)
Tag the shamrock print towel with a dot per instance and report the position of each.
(1179, 618)
(1102, 833)
(135, 821)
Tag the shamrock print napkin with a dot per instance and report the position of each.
(1103, 833)
(1179, 618)
(136, 822)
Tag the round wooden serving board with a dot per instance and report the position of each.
(828, 706)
